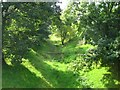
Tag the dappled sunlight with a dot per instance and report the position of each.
(61, 76)
(111, 80)
(85, 48)
(57, 65)
(8, 61)
(27, 79)
(96, 75)
(31, 68)
(53, 37)
(77, 47)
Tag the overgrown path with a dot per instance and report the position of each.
(46, 67)
(41, 69)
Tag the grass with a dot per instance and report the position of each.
(55, 73)
(95, 76)
(39, 71)
(21, 77)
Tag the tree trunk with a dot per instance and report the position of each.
(62, 42)
(3, 59)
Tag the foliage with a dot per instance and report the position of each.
(64, 26)
(36, 69)
(24, 29)
(100, 21)
(89, 36)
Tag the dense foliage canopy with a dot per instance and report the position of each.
(92, 23)
(24, 29)
(79, 45)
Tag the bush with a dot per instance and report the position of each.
(107, 50)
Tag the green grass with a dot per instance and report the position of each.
(95, 76)
(39, 71)
(21, 77)
(84, 48)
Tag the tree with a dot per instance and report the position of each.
(99, 24)
(102, 27)
(25, 26)
(65, 25)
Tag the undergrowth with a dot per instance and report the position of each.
(42, 70)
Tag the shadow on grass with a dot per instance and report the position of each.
(38, 74)
(110, 81)
(113, 80)
(20, 77)
(58, 78)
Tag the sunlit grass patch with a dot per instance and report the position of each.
(46, 72)
(32, 69)
(84, 48)
(68, 49)
(57, 65)
(95, 76)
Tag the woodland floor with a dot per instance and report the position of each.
(44, 68)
